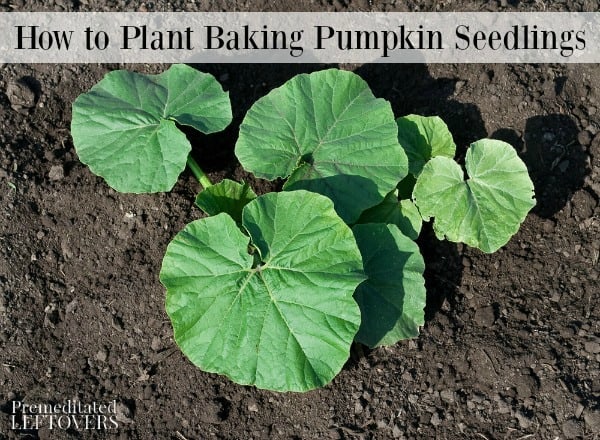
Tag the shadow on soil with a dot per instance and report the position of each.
(556, 161)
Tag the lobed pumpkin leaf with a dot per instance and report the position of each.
(124, 127)
(326, 133)
(486, 210)
(282, 318)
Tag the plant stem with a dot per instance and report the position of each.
(198, 173)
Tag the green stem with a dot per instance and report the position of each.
(198, 173)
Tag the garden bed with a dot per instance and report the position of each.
(511, 344)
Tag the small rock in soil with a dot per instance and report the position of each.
(358, 408)
(571, 429)
(333, 434)
(592, 420)
(71, 306)
(109, 384)
(123, 413)
(525, 385)
(66, 250)
(447, 396)
(56, 173)
(435, 419)
(583, 204)
(584, 138)
(485, 316)
(252, 406)
(101, 356)
(592, 347)
(381, 424)
(549, 226)
(503, 407)
(466, 262)
(524, 421)
(20, 95)
(156, 343)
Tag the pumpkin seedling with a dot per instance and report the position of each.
(271, 291)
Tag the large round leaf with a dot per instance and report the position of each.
(124, 128)
(282, 318)
(487, 209)
(392, 299)
(328, 134)
(424, 137)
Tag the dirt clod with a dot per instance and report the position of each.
(21, 96)
(123, 413)
(252, 406)
(102, 355)
(571, 429)
(57, 172)
(584, 138)
(592, 347)
(485, 316)
(592, 420)
(583, 205)
(435, 419)
(156, 344)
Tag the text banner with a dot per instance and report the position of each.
(299, 37)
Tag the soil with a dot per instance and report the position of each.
(511, 345)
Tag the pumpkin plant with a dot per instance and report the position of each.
(272, 290)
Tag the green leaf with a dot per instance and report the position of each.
(226, 196)
(424, 137)
(402, 213)
(328, 134)
(124, 127)
(281, 319)
(487, 209)
(392, 299)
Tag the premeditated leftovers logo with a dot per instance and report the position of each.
(67, 415)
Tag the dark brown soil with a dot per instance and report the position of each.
(511, 346)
